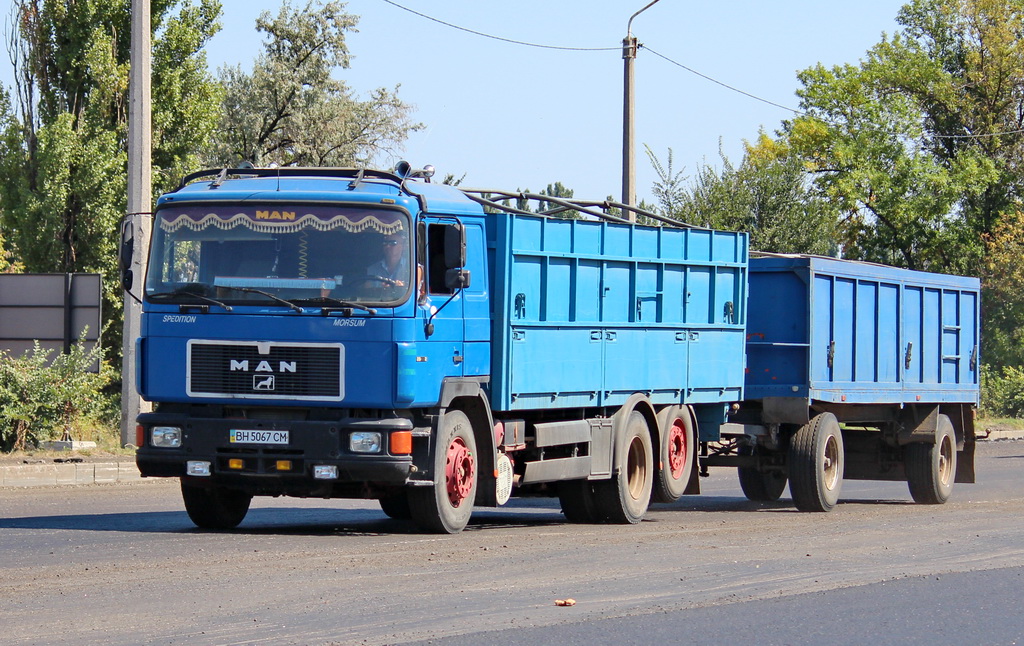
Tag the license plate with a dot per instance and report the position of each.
(240, 436)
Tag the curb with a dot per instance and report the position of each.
(63, 474)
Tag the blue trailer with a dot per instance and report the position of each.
(858, 371)
(344, 333)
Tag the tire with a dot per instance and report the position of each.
(445, 507)
(578, 502)
(396, 505)
(675, 458)
(624, 499)
(759, 485)
(215, 507)
(816, 463)
(931, 468)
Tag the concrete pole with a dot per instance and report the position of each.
(628, 149)
(629, 46)
(140, 205)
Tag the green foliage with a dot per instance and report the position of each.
(1003, 296)
(553, 208)
(670, 188)
(44, 400)
(1002, 391)
(290, 111)
(63, 159)
(919, 146)
(767, 196)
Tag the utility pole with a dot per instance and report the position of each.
(629, 46)
(140, 205)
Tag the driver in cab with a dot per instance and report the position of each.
(393, 266)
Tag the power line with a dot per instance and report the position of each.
(716, 81)
(801, 113)
(795, 111)
(506, 40)
(981, 136)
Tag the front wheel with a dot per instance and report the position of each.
(396, 505)
(931, 468)
(579, 504)
(445, 507)
(215, 507)
(816, 463)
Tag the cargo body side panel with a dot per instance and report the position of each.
(588, 313)
(847, 332)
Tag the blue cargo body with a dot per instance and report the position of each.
(588, 313)
(849, 332)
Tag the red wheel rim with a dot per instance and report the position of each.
(459, 471)
(677, 448)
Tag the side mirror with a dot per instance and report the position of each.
(456, 279)
(454, 246)
(125, 255)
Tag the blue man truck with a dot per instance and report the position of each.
(369, 334)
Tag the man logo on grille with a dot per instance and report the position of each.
(263, 382)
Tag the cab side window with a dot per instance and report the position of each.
(435, 260)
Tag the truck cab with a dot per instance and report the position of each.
(301, 331)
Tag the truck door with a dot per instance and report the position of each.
(442, 305)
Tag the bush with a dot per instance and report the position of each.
(44, 400)
(1002, 391)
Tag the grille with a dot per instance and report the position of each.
(239, 370)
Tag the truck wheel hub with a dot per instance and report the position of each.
(677, 449)
(459, 471)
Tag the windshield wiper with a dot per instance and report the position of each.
(344, 305)
(190, 290)
(250, 290)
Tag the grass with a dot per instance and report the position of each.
(106, 436)
(1001, 423)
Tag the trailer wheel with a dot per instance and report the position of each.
(760, 485)
(215, 507)
(676, 456)
(445, 507)
(578, 503)
(625, 498)
(816, 461)
(931, 468)
(396, 505)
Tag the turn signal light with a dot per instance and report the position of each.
(236, 463)
(283, 465)
(401, 443)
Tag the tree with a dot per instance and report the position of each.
(63, 138)
(669, 189)
(290, 111)
(558, 190)
(1003, 276)
(767, 196)
(920, 145)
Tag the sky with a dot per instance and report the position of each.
(516, 117)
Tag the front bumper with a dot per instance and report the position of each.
(311, 443)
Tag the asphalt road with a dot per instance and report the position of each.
(122, 564)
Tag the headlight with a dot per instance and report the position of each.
(364, 442)
(165, 436)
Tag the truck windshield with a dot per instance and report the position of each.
(316, 254)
